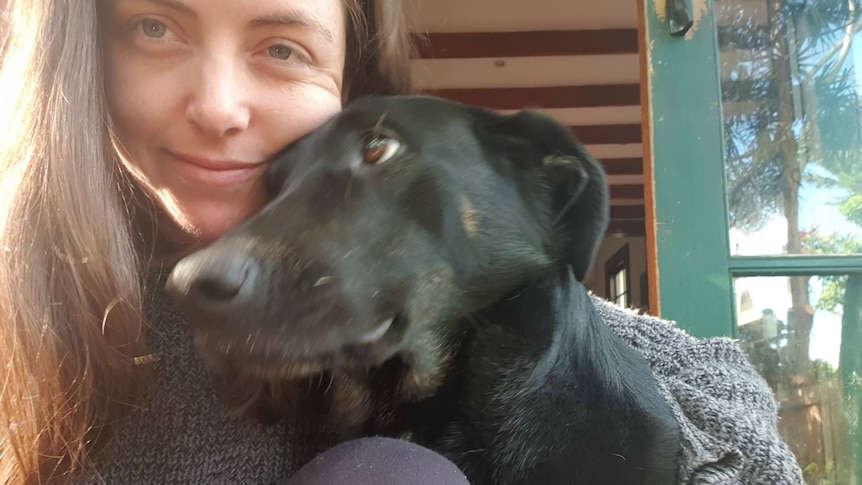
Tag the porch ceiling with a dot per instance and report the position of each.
(575, 60)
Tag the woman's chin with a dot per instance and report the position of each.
(204, 223)
(213, 225)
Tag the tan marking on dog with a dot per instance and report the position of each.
(350, 401)
(427, 369)
(431, 350)
(469, 218)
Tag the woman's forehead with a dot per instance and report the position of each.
(324, 17)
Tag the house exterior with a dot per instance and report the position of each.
(731, 132)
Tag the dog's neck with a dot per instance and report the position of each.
(536, 301)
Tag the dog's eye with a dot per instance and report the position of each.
(379, 149)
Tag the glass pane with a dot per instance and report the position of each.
(621, 278)
(803, 334)
(791, 77)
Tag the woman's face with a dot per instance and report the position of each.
(201, 92)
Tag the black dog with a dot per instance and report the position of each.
(422, 260)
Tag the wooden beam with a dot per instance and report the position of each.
(463, 45)
(627, 228)
(627, 191)
(623, 166)
(627, 212)
(608, 134)
(546, 97)
(644, 44)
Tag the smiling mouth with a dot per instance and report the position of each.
(215, 165)
(216, 172)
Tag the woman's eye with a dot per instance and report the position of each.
(153, 28)
(280, 51)
(379, 149)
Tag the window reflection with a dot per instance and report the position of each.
(791, 77)
(813, 363)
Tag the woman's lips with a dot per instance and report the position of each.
(222, 173)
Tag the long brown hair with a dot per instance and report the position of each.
(70, 273)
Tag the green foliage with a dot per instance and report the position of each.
(792, 106)
(832, 293)
(825, 118)
(852, 207)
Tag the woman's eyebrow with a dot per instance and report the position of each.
(290, 18)
(176, 5)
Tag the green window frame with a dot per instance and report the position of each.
(691, 247)
(688, 239)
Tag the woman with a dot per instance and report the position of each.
(134, 132)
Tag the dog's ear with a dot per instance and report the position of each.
(576, 184)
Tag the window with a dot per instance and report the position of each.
(757, 151)
(617, 270)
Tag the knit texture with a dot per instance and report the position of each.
(727, 412)
(183, 433)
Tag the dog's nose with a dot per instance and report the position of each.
(206, 280)
(222, 282)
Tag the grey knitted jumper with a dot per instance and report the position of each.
(182, 433)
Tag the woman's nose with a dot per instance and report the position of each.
(218, 104)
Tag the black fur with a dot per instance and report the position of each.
(474, 236)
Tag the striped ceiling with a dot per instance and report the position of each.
(575, 60)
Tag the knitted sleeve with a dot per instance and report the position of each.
(726, 410)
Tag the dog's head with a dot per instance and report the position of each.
(396, 218)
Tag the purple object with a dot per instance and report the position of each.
(379, 461)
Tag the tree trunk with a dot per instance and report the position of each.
(800, 316)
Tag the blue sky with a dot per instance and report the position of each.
(817, 208)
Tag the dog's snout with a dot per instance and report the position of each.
(207, 281)
(222, 283)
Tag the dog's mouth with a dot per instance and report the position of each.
(372, 337)
(278, 357)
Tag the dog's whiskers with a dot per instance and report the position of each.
(328, 387)
(479, 450)
(378, 127)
